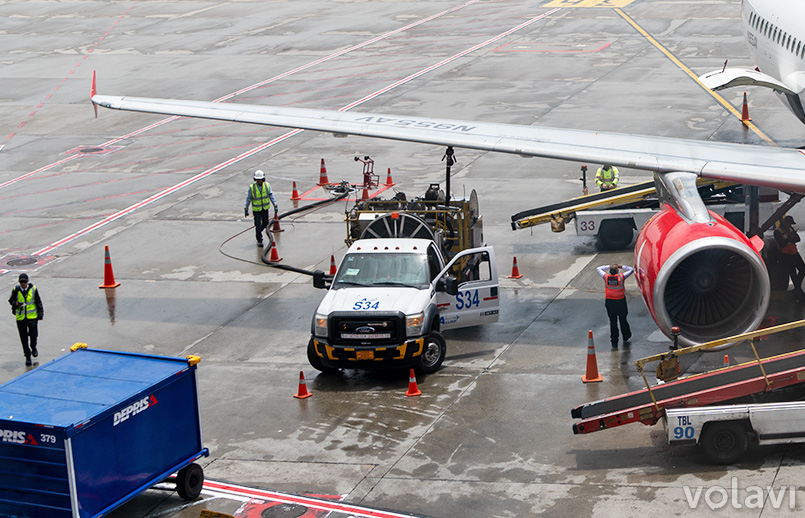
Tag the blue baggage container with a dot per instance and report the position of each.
(84, 433)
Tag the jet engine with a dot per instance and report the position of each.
(697, 271)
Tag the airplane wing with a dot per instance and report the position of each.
(730, 290)
(778, 168)
(730, 77)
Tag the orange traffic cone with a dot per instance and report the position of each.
(108, 274)
(388, 178)
(332, 265)
(592, 365)
(302, 393)
(275, 256)
(515, 270)
(295, 193)
(726, 360)
(323, 174)
(275, 226)
(412, 388)
(745, 111)
(365, 195)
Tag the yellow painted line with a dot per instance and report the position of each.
(588, 3)
(726, 104)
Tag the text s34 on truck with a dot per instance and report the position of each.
(413, 271)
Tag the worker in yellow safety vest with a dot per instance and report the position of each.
(26, 306)
(607, 177)
(615, 293)
(258, 196)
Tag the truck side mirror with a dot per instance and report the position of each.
(318, 280)
(448, 284)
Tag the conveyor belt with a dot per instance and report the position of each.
(639, 195)
(712, 387)
(590, 198)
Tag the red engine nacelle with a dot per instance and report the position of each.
(708, 279)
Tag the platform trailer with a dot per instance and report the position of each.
(86, 432)
(725, 431)
(762, 377)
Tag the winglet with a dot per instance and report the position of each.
(92, 93)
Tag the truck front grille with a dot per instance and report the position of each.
(367, 328)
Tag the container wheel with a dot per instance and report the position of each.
(432, 357)
(724, 441)
(189, 481)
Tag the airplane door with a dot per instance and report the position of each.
(477, 301)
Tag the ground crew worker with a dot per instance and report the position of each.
(26, 305)
(258, 195)
(786, 238)
(615, 291)
(607, 177)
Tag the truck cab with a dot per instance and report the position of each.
(391, 298)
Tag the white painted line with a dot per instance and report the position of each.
(257, 149)
(307, 501)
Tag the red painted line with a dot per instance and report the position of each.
(569, 51)
(256, 85)
(164, 192)
(310, 191)
(315, 503)
(448, 60)
(63, 80)
(17, 179)
(349, 49)
(443, 305)
(490, 298)
(171, 190)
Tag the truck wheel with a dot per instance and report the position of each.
(615, 234)
(724, 441)
(315, 361)
(189, 481)
(433, 355)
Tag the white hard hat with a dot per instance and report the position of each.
(259, 175)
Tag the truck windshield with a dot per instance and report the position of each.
(383, 270)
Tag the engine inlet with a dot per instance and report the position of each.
(712, 288)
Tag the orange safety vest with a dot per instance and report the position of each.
(615, 289)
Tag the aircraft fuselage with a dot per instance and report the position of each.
(776, 40)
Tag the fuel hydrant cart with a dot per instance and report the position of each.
(84, 433)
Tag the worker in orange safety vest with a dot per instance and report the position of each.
(615, 302)
(786, 239)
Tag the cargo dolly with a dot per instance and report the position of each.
(86, 432)
(648, 405)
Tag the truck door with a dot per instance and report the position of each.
(477, 301)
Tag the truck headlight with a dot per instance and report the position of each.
(413, 324)
(320, 325)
